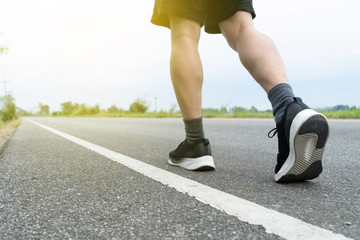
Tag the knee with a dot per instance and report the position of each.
(231, 38)
(236, 27)
(184, 29)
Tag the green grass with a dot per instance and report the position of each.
(344, 114)
(123, 115)
(243, 114)
(6, 130)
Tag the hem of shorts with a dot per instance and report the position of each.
(213, 28)
(164, 20)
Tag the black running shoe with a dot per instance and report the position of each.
(302, 136)
(196, 156)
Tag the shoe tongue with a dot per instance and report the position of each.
(297, 99)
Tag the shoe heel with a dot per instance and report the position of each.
(319, 125)
(307, 147)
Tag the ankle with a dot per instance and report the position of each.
(280, 96)
(194, 129)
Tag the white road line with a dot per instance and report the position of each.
(274, 222)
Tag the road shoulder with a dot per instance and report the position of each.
(7, 130)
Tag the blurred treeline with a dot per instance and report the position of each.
(140, 108)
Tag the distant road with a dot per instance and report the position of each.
(103, 178)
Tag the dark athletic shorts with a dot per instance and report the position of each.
(207, 12)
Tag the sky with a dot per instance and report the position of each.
(107, 52)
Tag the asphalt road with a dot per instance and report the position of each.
(51, 188)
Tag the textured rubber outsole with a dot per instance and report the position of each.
(205, 163)
(313, 171)
(308, 136)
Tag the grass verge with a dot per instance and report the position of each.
(6, 131)
(344, 114)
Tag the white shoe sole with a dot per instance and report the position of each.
(205, 163)
(309, 133)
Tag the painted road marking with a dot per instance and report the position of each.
(274, 222)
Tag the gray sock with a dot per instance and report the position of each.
(194, 129)
(280, 96)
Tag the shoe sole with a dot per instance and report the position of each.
(309, 133)
(205, 163)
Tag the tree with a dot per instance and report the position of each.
(139, 106)
(94, 110)
(69, 108)
(253, 109)
(44, 109)
(82, 110)
(114, 109)
(8, 108)
(237, 109)
(85, 110)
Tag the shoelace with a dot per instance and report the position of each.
(274, 130)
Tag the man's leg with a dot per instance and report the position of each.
(257, 52)
(185, 65)
(260, 57)
(187, 73)
(187, 77)
(302, 132)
